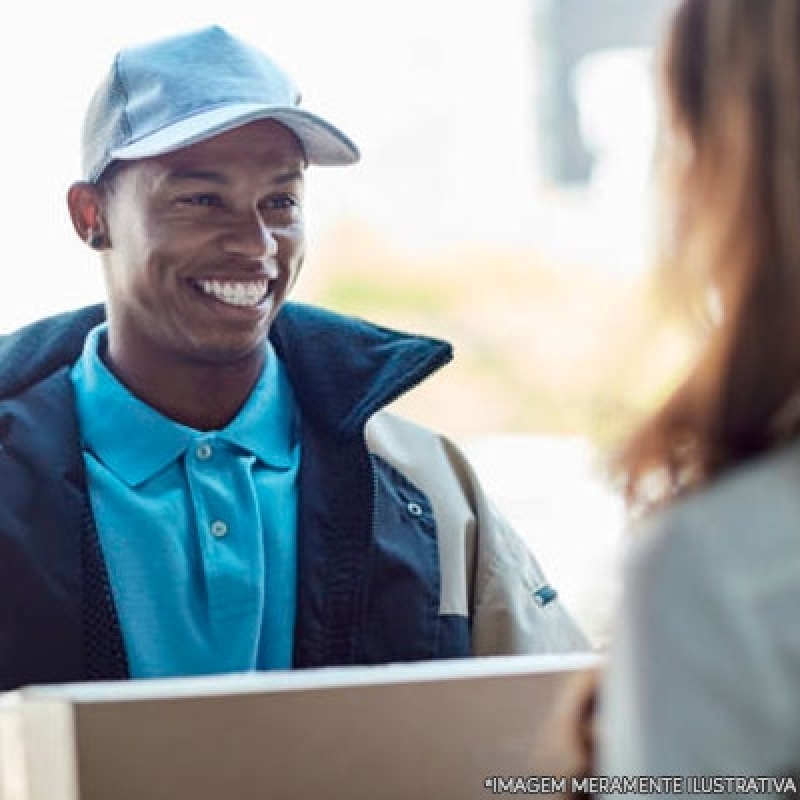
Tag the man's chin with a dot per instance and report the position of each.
(228, 351)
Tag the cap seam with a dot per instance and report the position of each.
(126, 95)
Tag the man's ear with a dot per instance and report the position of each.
(85, 203)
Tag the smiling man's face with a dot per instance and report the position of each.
(205, 245)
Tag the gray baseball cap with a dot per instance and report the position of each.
(178, 91)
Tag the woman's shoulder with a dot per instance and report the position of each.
(740, 533)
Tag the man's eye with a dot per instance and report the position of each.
(201, 200)
(280, 203)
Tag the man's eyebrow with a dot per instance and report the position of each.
(289, 177)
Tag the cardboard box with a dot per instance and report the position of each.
(434, 730)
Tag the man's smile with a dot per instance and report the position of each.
(242, 293)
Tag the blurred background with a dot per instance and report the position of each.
(502, 202)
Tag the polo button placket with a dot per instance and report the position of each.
(219, 529)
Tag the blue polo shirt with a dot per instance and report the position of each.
(198, 529)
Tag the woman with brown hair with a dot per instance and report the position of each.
(703, 676)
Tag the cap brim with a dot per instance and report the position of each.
(323, 143)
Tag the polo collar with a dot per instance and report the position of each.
(264, 426)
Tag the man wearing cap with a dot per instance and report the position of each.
(198, 477)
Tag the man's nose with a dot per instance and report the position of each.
(251, 238)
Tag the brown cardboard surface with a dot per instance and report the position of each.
(408, 731)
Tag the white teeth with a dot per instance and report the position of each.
(239, 293)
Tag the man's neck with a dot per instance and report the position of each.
(204, 397)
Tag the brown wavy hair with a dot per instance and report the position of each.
(728, 162)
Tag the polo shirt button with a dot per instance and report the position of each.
(219, 528)
(415, 509)
(203, 452)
